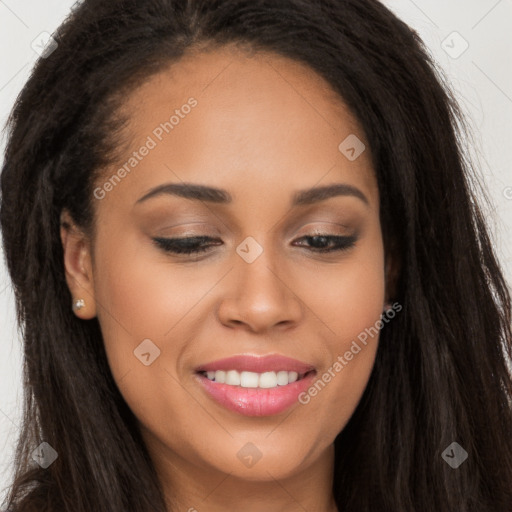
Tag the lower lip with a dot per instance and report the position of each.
(256, 401)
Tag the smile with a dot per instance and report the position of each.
(259, 386)
(264, 380)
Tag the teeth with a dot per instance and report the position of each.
(244, 379)
(268, 380)
(233, 378)
(282, 378)
(249, 379)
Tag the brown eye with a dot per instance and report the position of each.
(321, 242)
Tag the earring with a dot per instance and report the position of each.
(387, 307)
(78, 304)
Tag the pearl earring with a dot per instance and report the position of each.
(78, 304)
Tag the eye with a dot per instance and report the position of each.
(189, 245)
(321, 243)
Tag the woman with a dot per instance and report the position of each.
(250, 269)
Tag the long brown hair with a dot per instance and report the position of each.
(441, 372)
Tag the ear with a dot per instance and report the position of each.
(78, 266)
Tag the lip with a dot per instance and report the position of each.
(256, 401)
(258, 364)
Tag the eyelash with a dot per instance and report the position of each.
(192, 245)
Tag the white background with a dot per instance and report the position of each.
(481, 77)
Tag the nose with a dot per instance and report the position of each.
(260, 296)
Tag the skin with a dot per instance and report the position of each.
(263, 128)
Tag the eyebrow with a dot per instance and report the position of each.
(216, 195)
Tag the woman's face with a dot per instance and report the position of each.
(264, 132)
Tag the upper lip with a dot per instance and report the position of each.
(257, 364)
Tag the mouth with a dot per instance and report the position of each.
(246, 379)
(255, 385)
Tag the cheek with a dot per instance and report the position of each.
(341, 380)
(143, 304)
(349, 303)
(140, 294)
(130, 306)
(347, 296)
(141, 297)
(348, 300)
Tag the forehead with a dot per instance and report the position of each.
(259, 123)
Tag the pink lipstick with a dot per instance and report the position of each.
(255, 385)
